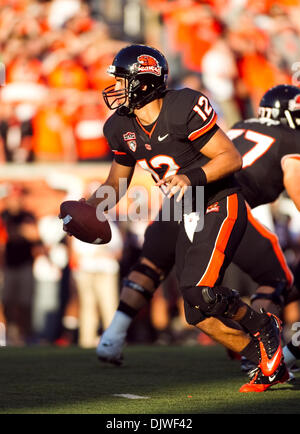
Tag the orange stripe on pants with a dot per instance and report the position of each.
(275, 244)
(216, 261)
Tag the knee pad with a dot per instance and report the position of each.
(138, 288)
(216, 301)
(149, 272)
(278, 296)
(192, 315)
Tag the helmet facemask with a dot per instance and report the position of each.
(115, 98)
(134, 95)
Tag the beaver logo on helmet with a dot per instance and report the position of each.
(148, 64)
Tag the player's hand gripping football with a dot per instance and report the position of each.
(174, 184)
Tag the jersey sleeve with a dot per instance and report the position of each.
(201, 122)
(117, 148)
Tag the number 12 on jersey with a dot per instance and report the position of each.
(156, 163)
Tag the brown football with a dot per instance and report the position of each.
(80, 219)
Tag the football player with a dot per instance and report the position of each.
(174, 135)
(271, 163)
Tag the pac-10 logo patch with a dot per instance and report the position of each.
(148, 64)
(130, 139)
(215, 207)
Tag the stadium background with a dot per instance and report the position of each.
(55, 55)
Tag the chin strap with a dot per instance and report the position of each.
(124, 111)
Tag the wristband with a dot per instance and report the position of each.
(196, 176)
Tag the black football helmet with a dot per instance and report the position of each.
(145, 70)
(281, 103)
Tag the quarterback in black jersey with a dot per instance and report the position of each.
(156, 262)
(173, 135)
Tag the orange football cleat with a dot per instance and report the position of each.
(270, 348)
(260, 382)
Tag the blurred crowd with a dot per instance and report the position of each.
(54, 54)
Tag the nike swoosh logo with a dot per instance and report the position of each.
(268, 366)
(275, 360)
(160, 139)
(272, 377)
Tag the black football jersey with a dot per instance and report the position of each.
(263, 147)
(171, 145)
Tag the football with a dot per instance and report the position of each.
(80, 220)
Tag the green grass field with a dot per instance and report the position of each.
(176, 380)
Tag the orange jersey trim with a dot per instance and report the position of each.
(275, 244)
(119, 153)
(216, 261)
(149, 133)
(195, 134)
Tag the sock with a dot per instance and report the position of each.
(251, 352)
(253, 321)
(119, 325)
(291, 353)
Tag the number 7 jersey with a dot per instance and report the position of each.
(172, 144)
(263, 148)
